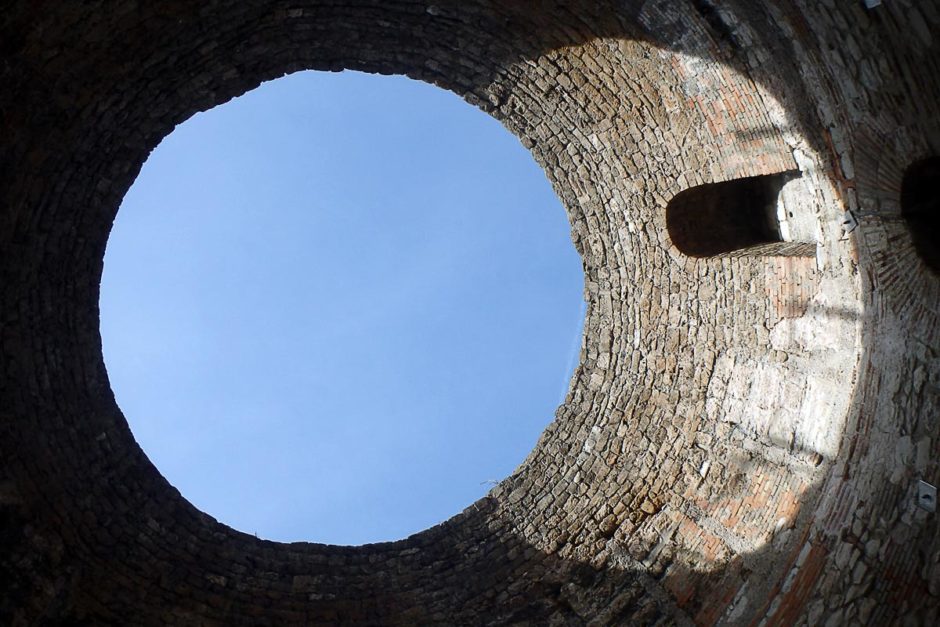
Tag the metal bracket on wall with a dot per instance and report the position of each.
(849, 223)
(926, 496)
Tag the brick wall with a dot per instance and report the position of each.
(741, 439)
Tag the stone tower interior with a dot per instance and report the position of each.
(755, 419)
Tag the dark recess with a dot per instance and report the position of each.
(920, 207)
(720, 218)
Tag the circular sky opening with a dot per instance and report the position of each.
(340, 307)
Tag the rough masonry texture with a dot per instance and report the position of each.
(742, 440)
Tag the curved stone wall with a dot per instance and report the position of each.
(743, 438)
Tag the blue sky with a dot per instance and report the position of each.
(333, 309)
